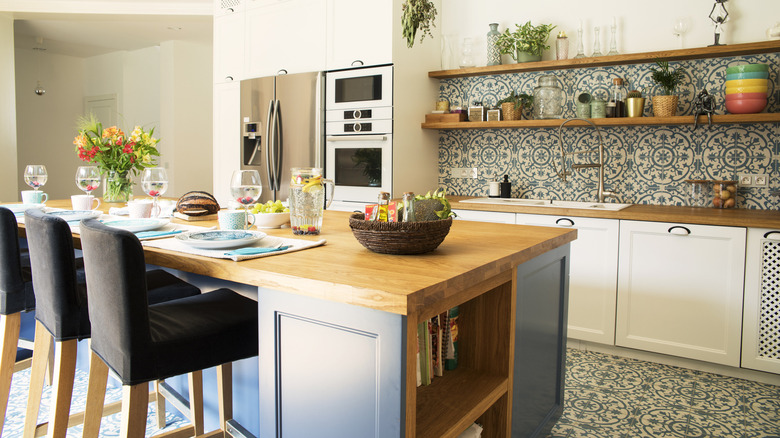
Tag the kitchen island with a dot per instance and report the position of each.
(338, 323)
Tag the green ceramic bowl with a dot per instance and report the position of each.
(748, 75)
(747, 68)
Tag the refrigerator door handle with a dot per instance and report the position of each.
(269, 139)
(279, 147)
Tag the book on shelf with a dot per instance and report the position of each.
(451, 357)
(419, 375)
(422, 343)
(436, 346)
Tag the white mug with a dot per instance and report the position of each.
(235, 219)
(139, 209)
(34, 197)
(84, 202)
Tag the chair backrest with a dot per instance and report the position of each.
(12, 285)
(116, 288)
(61, 303)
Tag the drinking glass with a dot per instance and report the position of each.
(245, 187)
(87, 178)
(35, 175)
(154, 183)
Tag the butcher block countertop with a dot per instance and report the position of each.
(734, 217)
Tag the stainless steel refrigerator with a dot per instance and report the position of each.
(282, 127)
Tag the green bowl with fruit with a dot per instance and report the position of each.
(271, 214)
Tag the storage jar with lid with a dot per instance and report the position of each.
(724, 194)
(548, 98)
(699, 192)
(616, 106)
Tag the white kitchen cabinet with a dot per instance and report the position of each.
(485, 216)
(680, 290)
(227, 7)
(284, 35)
(592, 276)
(761, 317)
(229, 47)
(227, 137)
(359, 32)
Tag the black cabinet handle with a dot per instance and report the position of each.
(769, 233)
(679, 230)
(565, 222)
(357, 60)
(228, 78)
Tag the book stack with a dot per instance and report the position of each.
(437, 346)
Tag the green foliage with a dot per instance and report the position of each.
(417, 14)
(432, 206)
(667, 78)
(527, 38)
(634, 93)
(520, 100)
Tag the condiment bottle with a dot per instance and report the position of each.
(616, 105)
(505, 187)
(408, 200)
(379, 213)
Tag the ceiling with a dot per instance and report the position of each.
(106, 26)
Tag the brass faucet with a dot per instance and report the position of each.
(563, 173)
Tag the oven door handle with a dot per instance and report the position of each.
(356, 138)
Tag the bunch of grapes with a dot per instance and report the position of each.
(269, 207)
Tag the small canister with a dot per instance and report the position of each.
(443, 105)
(724, 194)
(598, 108)
(493, 189)
(699, 192)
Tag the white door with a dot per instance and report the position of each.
(592, 274)
(103, 107)
(680, 290)
(761, 320)
(229, 47)
(359, 33)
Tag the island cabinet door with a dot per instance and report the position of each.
(329, 369)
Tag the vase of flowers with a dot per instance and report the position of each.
(118, 156)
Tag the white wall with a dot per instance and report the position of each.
(8, 166)
(642, 26)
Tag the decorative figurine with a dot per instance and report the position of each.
(719, 18)
(703, 104)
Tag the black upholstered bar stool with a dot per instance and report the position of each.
(62, 313)
(16, 296)
(145, 343)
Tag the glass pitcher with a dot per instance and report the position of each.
(307, 197)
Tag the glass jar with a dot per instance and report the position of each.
(548, 98)
(724, 194)
(562, 46)
(699, 192)
(616, 106)
(466, 54)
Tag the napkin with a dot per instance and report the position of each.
(254, 250)
(152, 234)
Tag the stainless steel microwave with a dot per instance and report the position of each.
(359, 88)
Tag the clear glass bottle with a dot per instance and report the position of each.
(408, 201)
(379, 213)
(548, 98)
(596, 42)
(562, 46)
(616, 105)
(466, 54)
(493, 54)
(580, 45)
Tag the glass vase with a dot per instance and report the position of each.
(117, 187)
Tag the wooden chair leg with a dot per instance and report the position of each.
(9, 339)
(96, 394)
(135, 401)
(160, 401)
(195, 379)
(225, 393)
(41, 347)
(50, 366)
(62, 387)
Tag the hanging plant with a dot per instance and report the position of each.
(417, 14)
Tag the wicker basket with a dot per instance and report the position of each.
(510, 112)
(399, 237)
(664, 106)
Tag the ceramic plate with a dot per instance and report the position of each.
(220, 239)
(20, 208)
(137, 225)
(75, 215)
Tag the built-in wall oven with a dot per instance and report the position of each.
(359, 134)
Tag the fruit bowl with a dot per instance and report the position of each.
(271, 220)
(746, 106)
(399, 237)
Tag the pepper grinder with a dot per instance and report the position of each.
(505, 187)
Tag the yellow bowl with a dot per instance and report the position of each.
(755, 89)
(746, 83)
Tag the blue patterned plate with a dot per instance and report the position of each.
(220, 239)
(20, 208)
(137, 225)
(75, 215)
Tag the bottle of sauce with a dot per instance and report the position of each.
(616, 105)
(379, 213)
(505, 188)
(408, 201)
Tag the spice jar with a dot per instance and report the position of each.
(548, 98)
(699, 192)
(724, 194)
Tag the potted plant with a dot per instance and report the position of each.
(635, 103)
(512, 105)
(665, 104)
(526, 43)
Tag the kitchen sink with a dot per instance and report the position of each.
(607, 206)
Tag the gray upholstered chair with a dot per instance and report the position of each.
(143, 343)
(62, 314)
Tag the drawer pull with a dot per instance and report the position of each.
(565, 222)
(769, 235)
(679, 230)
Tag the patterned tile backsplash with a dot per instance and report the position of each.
(644, 164)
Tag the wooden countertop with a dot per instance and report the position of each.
(734, 217)
(344, 271)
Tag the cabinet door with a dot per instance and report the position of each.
(227, 7)
(593, 274)
(485, 216)
(359, 30)
(229, 47)
(227, 137)
(287, 35)
(761, 319)
(680, 290)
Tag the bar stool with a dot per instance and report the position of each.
(145, 343)
(16, 296)
(62, 313)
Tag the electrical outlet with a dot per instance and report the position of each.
(745, 180)
(474, 173)
(761, 180)
(464, 172)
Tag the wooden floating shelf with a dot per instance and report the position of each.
(601, 61)
(619, 121)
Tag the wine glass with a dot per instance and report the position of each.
(87, 178)
(154, 183)
(245, 187)
(681, 26)
(35, 175)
